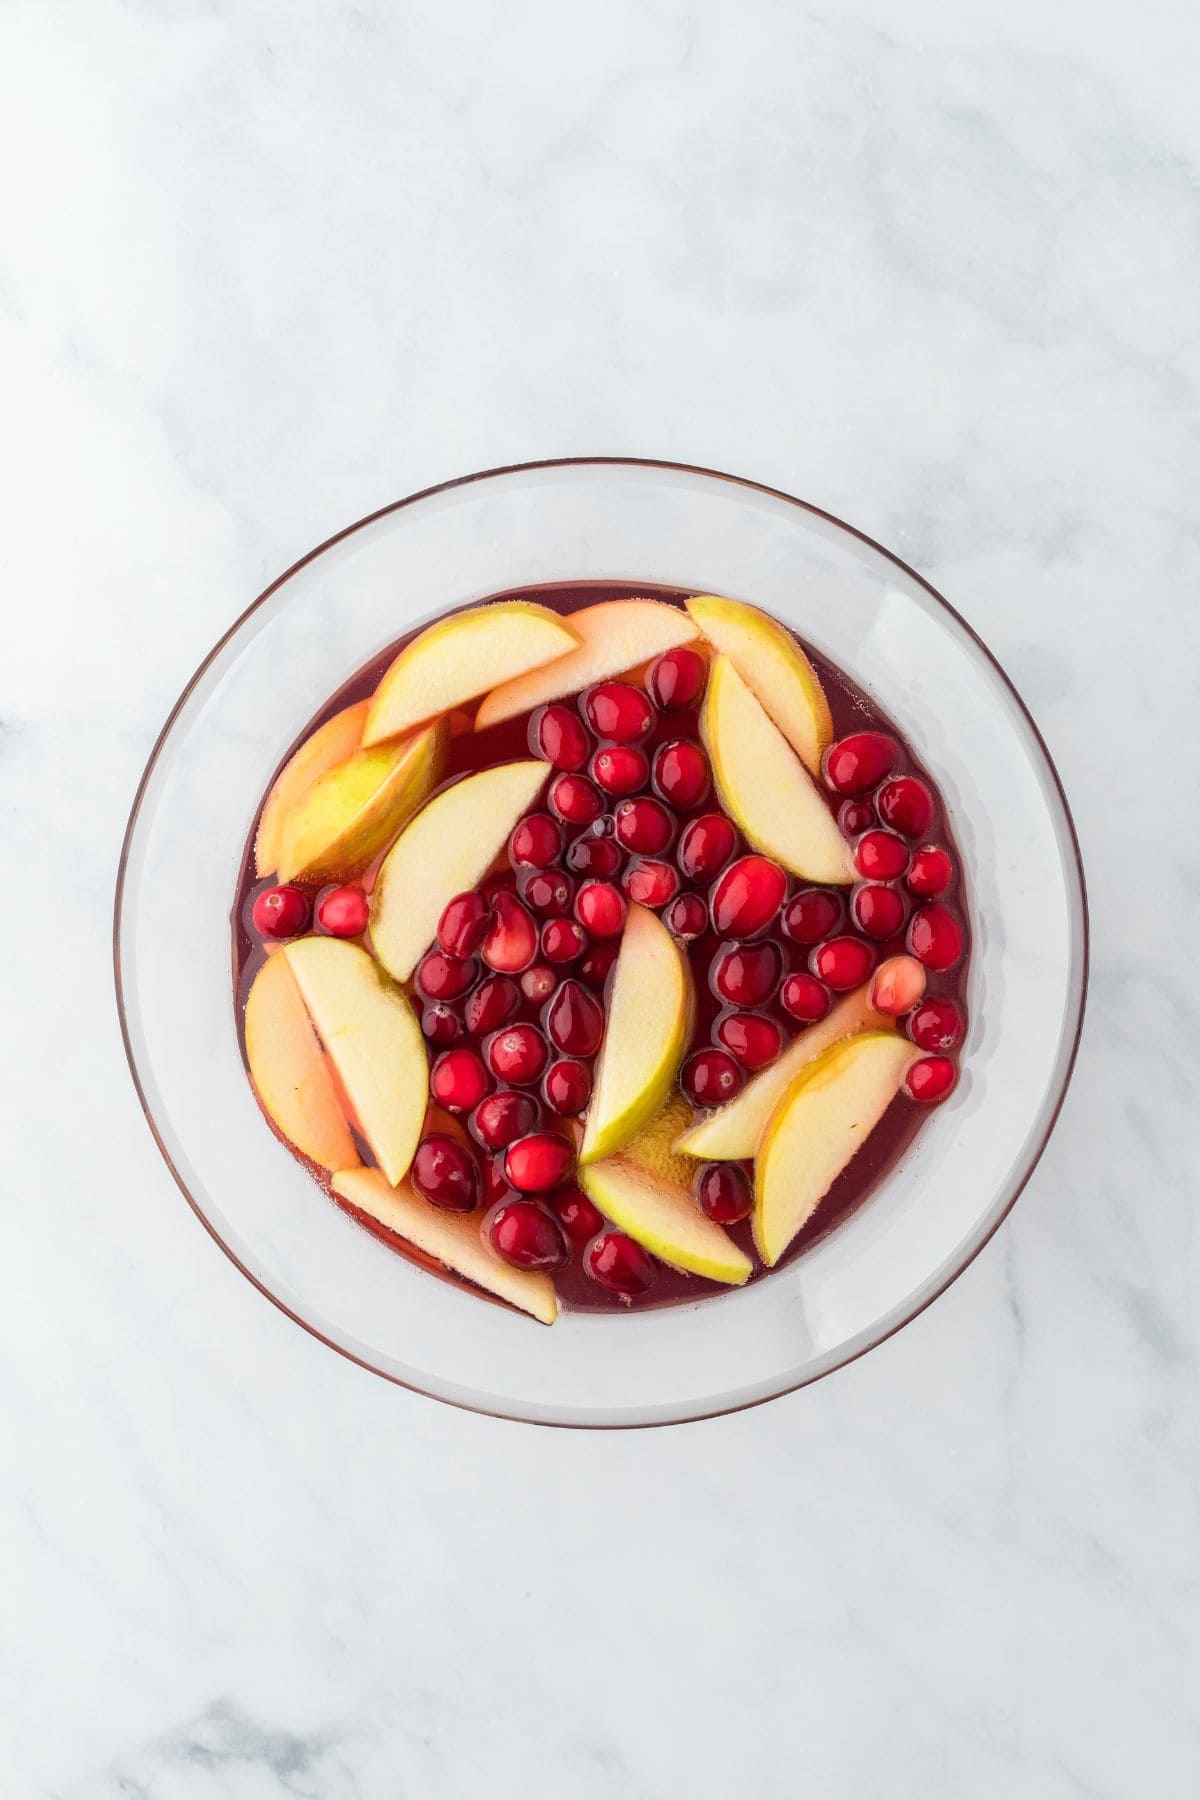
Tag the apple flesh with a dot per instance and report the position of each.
(765, 787)
(615, 636)
(654, 1149)
(649, 1015)
(331, 743)
(774, 668)
(350, 814)
(664, 1219)
(821, 1122)
(460, 658)
(290, 1072)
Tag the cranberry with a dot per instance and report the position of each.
(280, 912)
(804, 998)
(590, 855)
(576, 1214)
(681, 774)
(905, 804)
(881, 856)
(538, 983)
(343, 912)
(527, 1237)
(675, 679)
(511, 941)
(516, 1054)
(594, 968)
(562, 940)
(444, 977)
(935, 937)
(556, 733)
(650, 882)
(898, 985)
(710, 1077)
(548, 892)
(600, 908)
(538, 1162)
(855, 816)
(857, 762)
(616, 1262)
(706, 846)
(754, 1040)
(931, 1079)
(620, 769)
(744, 974)
(644, 825)
(617, 711)
(446, 1173)
(496, 1190)
(500, 1119)
(842, 962)
(930, 872)
(686, 917)
(463, 925)
(575, 1020)
(723, 1192)
(440, 1023)
(491, 1004)
(936, 1025)
(812, 915)
(879, 911)
(535, 842)
(458, 1080)
(575, 799)
(500, 881)
(567, 1086)
(747, 896)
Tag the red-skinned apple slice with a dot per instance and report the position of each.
(330, 744)
(290, 1072)
(349, 815)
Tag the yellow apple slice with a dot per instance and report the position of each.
(664, 1219)
(350, 813)
(455, 1239)
(290, 1072)
(330, 744)
(462, 657)
(373, 1040)
(649, 1016)
(822, 1120)
(445, 850)
(774, 668)
(734, 1130)
(764, 785)
(615, 635)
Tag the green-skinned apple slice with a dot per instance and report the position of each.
(774, 668)
(664, 1218)
(353, 811)
(649, 1016)
(290, 1071)
(330, 744)
(615, 636)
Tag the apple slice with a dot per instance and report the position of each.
(822, 1120)
(350, 813)
(654, 1149)
(462, 657)
(330, 744)
(289, 1070)
(764, 785)
(455, 1239)
(664, 1219)
(615, 635)
(649, 1016)
(373, 1040)
(734, 1130)
(774, 668)
(445, 850)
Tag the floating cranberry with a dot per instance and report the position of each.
(616, 711)
(804, 998)
(595, 967)
(937, 1024)
(574, 799)
(463, 925)
(651, 882)
(500, 881)
(590, 855)
(535, 842)
(575, 1213)
(527, 1237)
(879, 911)
(539, 1162)
(575, 1020)
(556, 733)
(706, 846)
(811, 915)
(747, 896)
(344, 912)
(562, 940)
(281, 912)
(500, 1119)
(681, 774)
(686, 917)
(491, 1004)
(931, 1079)
(538, 983)
(644, 825)
(905, 804)
(458, 1080)
(496, 1191)
(511, 941)
(442, 977)
(744, 974)
(676, 678)
(710, 1077)
(857, 762)
(600, 908)
(446, 1173)
(752, 1039)
(931, 871)
(567, 1086)
(516, 1054)
(440, 1023)
(897, 986)
(855, 816)
(881, 856)
(620, 769)
(842, 962)
(547, 892)
(935, 937)
(723, 1192)
(616, 1262)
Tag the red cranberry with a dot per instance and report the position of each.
(931, 1079)
(444, 977)
(539, 1162)
(280, 912)
(500, 1119)
(812, 915)
(686, 917)
(616, 1262)
(491, 1005)
(747, 896)
(527, 1237)
(681, 773)
(931, 871)
(344, 912)
(556, 733)
(935, 937)
(538, 983)
(855, 816)
(511, 941)
(496, 1190)
(881, 856)
(804, 998)
(905, 804)
(676, 678)
(879, 911)
(710, 1077)
(575, 1020)
(620, 769)
(440, 1023)
(706, 846)
(897, 986)
(650, 882)
(446, 1173)
(548, 892)
(936, 1025)
(600, 908)
(744, 974)
(463, 925)
(723, 1192)
(535, 842)
(754, 1040)
(857, 762)
(500, 881)
(516, 1054)
(842, 962)
(590, 855)
(644, 825)
(567, 1086)
(576, 1214)
(562, 940)
(458, 1080)
(575, 799)
(617, 711)
(594, 969)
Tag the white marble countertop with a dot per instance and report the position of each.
(264, 268)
